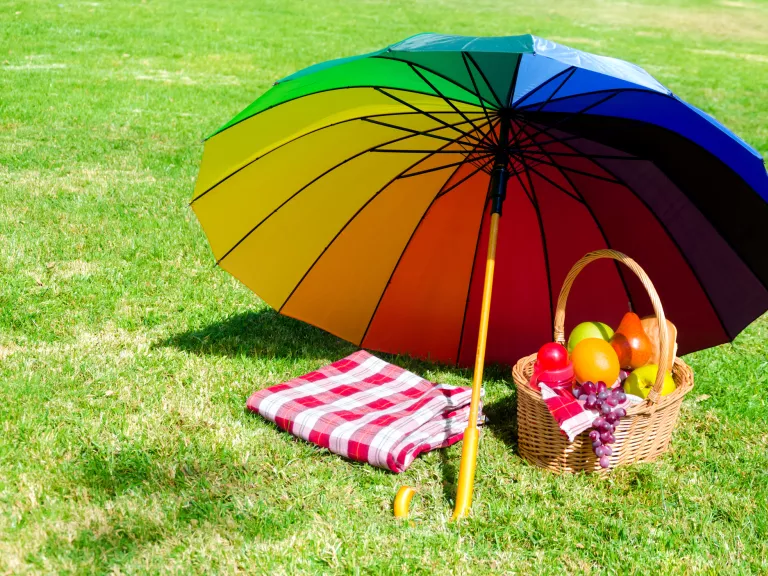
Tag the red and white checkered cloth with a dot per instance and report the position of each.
(570, 414)
(366, 409)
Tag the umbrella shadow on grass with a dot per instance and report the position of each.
(502, 419)
(260, 333)
(268, 334)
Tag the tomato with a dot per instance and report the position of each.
(552, 356)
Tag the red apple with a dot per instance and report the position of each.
(552, 356)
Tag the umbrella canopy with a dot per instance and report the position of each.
(354, 195)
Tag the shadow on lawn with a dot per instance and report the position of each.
(260, 333)
(268, 334)
(502, 419)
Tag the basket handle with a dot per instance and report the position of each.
(655, 393)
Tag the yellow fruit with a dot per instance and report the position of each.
(594, 360)
(641, 381)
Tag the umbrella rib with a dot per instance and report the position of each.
(602, 91)
(535, 203)
(549, 154)
(622, 182)
(300, 190)
(544, 248)
(436, 73)
(555, 184)
(574, 170)
(540, 86)
(427, 114)
(443, 167)
(370, 86)
(482, 75)
(451, 104)
(367, 202)
(362, 118)
(416, 132)
(516, 173)
(585, 155)
(477, 93)
(595, 220)
(556, 90)
(512, 149)
(455, 185)
(292, 140)
(399, 259)
(573, 114)
(422, 151)
(513, 84)
(471, 277)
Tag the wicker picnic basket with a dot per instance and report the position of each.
(641, 436)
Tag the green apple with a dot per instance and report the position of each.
(589, 330)
(641, 381)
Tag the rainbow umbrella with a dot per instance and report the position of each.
(359, 194)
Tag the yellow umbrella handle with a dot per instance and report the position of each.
(472, 434)
(403, 501)
(497, 192)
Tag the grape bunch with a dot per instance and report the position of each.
(597, 396)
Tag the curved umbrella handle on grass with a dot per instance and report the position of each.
(403, 501)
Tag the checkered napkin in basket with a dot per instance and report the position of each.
(569, 412)
(366, 409)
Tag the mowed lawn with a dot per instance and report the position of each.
(126, 357)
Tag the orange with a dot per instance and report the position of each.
(594, 359)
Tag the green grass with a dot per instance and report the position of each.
(126, 357)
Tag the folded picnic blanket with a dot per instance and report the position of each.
(366, 409)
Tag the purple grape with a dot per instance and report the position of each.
(599, 421)
(607, 450)
(590, 402)
(588, 387)
(594, 435)
(602, 395)
(620, 412)
(596, 444)
(612, 417)
(623, 374)
(605, 437)
(605, 462)
(577, 391)
(599, 451)
(609, 427)
(621, 397)
(611, 438)
(611, 401)
(601, 387)
(605, 409)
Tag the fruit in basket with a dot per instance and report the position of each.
(651, 327)
(631, 343)
(589, 330)
(641, 381)
(595, 360)
(552, 356)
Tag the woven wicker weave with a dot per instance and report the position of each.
(641, 436)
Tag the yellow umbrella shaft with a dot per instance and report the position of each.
(472, 434)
